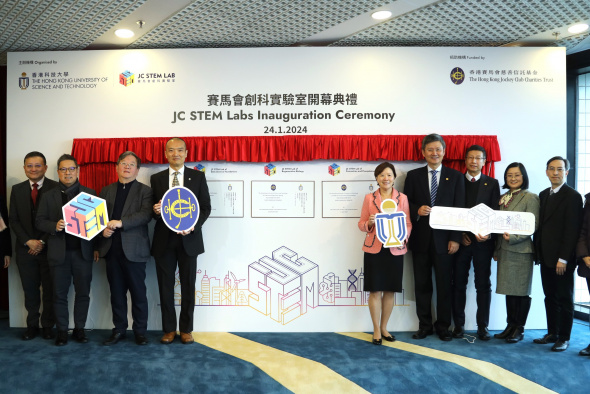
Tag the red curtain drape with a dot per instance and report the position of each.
(97, 155)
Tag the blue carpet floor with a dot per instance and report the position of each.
(40, 366)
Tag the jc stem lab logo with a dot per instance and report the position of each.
(270, 169)
(334, 169)
(23, 81)
(126, 78)
(457, 76)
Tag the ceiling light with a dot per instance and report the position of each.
(579, 28)
(124, 33)
(380, 15)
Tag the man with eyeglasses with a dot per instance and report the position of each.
(479, 189)
(68, 256)
(171, 249)
(426, 187)
(560, 219)
(31, 251)
(126, 246)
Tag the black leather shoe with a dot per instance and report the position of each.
(585, 352)
(62, 338)
(547, 338)
(377, 341)
(458, 332)
(114, 338)
(516, 336)
(141, 340)
(483, 334)
(506, 333)
(445, 335)
(79, 335)
(30, 333)
(422, 333)
(560, 346)
(390, 338)
(48, 333)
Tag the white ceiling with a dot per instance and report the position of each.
(43, 25)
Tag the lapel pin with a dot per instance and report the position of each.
(189, 179)
(447, 179)
(485, 184)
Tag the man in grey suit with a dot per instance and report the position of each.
(126, 246)
(560, 219)
(31, 253)
(68, 256)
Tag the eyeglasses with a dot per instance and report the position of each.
(475, 158)
(63, 170)
(558, 169)
(128, 165)
(513, 176)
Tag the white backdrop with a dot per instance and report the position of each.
(517, 94)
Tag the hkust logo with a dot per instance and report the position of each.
(457, 76)
(23, 81)
(391, 225)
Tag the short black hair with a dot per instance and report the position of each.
(525, 177)
(129, 153)
(477, 148)
(65, 156)
(567, 163)
(433, 138)
(381, 167)
(35, 154)
(176, 138)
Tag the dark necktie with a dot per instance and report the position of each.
(35, 193)
(472, 179)
(433, 187)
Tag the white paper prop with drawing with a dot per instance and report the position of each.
(391, 225)
(482, 220)
(85, 216)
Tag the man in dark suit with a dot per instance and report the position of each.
(479, 188)
(560, 219)
(126, 246)
(68, 256)
(170, 248)
(31, 253)
(426, 187)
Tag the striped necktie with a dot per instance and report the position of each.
(433, 187)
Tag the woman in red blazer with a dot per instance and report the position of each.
(383, 267)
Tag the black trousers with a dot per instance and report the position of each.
(73, 267)
(187, 271)
(559, 300)
(34, 275)
(482, 263)
(517, 310)
(123, 276)
(424, 262)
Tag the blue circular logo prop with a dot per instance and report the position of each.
(180, 209)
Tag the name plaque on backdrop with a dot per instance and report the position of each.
(283, 199)
(227, 199)
(344, 199)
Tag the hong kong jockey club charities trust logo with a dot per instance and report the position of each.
(457, 76)
(23, 81)
(180, 209)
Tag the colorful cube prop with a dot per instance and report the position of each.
(85, 216)
(200, 167)
(334, 169)
(126, 78)
(270, 169)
